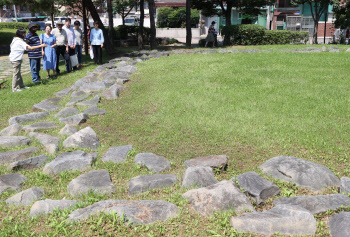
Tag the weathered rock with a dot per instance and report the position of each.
(11, 130)
(215, 162)
(98, 181)
(302, 172)
(218, 197)
(122, 80)
(198, 176)
(76, 100)
(50, 142)
(11, 181)
(40, 126)
(93, 101)
(108, 82)
(84, 138)
(257, 187)
(127, 68)
(93, 86)
(284, 219)
(111, 93)
(324, 49)
(345, 185)
(66, 112)
(69, 161)
(334, 49)
(136, 212)
(45, 106)
(93, 110)
(27, 164)
(77, 94)
(48, 206)
(100, 69)
(339, 224)
(84, 80)
(117, 154)
(28, 117)
(54, 100)
(109, 65)
(348, 50)
(63, 92)
(11, 156)
(316, 204)
(152, 162)
(143, 183)
(68, 130)
(26, 197)
(13, 141)
(75, 120)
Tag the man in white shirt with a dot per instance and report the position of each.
(61, 46)
(72, 41)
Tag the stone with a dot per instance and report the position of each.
(75, 120)
(302, 172)
(63, 92)
(345, 185)
(13, 141)
(339, 224)
(152, 162)
(45, 106)
(143, 183)
(47, 206)
(324, 49)
(93, 86)
(26, 197)
(40, 126)
(215, 162)
(198, 176)
(334, 49)
(11, 156)
(99, 69)
(111, 93)
(93, 110)
(75, 100)
(77, 94)
(117, 154)
(316, 204)
(50, 142)
(257, 187)
(348, 50)
(27, 164)
(11, 130)
(11, 181)
(68, 130)
(127, 68)
(108, 82)
(135, 212)
(221, 196)
(84, 138)
(93, 101)
(54, 100)
(122, 80)
(97, 181)
(109, 65)
(123, 75)
(66, 112)
(70, 161)
(284, 219)
(84, 80)
(28, 117)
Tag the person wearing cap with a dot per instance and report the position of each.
(34, 55)
(61, 45)
(211, 36)
(71, 41)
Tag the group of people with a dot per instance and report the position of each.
(64, 40)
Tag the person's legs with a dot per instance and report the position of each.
(99, 55)
(94, 50)
(17, 81)
(57, 59)
(78, 51)
(38, 64)
(33, 69)
(72, 53)
(67, 61)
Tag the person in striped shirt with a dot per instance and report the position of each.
(35, 55)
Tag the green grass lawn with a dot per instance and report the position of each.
(250, 107)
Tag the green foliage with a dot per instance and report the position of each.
(175, 18)
(342, 16)
(124, 32)
(14, 25)
(285, 37)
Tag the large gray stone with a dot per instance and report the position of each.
(94, 86)
(11, 156)
(75, 120)
(11, 130)
(117, 154)
(28, 117)
(316, 204)
(339, 224)
(93, 101)
(75, 100)
(63, 92)
(198, 176)
(97, 181)
(13, 141)
(215, 162)
(100, 69)
(84, 138)
(27, 164)
(136, 212)
(26, 197)
(47, 206)
(127, 68)
(302, 172)
(257, 187)
(84, 80)
(68, 130)
(54, 100)
(93, 110)
(284, 219)
(45, 106)
(152, 162)
(40, 126)
(143, 183)
(11, 181)
(66, 112)
(77, 94)
(111, 93)
(222, 196)
(69, 161)
(345, 185)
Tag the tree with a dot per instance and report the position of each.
(342, 16)
(153, 33)
(110, 22)
(140, 33)
(188, 23)
(124, 7)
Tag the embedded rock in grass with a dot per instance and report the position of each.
(66, 112)
(77, 94)
(334, 49)
(345, 185)
(68, 130)
(111, 93)
(27, 164)
(11, 156)
(324, 49)
(97, 181)
(69, 161)
(339, 224)
(84, 138)
(302, 172)
(48, 206)
(152, 162)
(45, 106)
(122, 80)
(76, 99)
(28, 117)
(117, 154)
(75, 120)
(93, 110)
(93, 86)
(109, 65)
(123, 75)
(144, 57)
(93, 101)
(316, 204)
(215, 162)
(63, 92)
(26, 197)
(348, 50)
(11, 181)
(40, 126)
(257, 187)
(135, 212)
(127, 68)
(50, 142)
(284, 219)
(11, 130)
(222, 196)
(13, 141)
(143, 183)
(54, 100)
(100, 69)
(198, 176)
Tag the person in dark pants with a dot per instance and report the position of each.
(97, 40)
(71, 42)
(35, 55)
(62, 45)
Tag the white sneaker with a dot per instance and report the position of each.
(16, 90)
(26, 87)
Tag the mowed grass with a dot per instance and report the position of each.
(250, 107)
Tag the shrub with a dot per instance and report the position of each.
(15, 25)
(175, 18)
(129, 32)
(285, 37)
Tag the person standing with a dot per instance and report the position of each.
(34, 56)
(79, 46)
(49, 53)
(211, 36)
(97, 40)
(71, 41)
(61, 45)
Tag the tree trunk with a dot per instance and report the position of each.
(86, 43)
(153, 42)
(123, 19)
(228, 23)
(110, 23)
(140, 33)
(314, 37)
(188, 24)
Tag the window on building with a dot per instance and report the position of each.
(280, 18)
